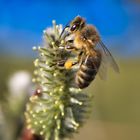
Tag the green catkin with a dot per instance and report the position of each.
(59, 108)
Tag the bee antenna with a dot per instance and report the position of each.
(66, 26)
(63, 31)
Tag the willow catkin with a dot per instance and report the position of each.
(58, 108)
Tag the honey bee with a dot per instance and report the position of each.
(94, 57)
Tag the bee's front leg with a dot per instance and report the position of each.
(61, 63)
(70, 48)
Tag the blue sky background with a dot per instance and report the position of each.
(22, 22)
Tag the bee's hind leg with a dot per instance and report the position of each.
(67, 64)
(59, 63)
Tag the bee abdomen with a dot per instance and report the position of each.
(87, 72)
(84, 76)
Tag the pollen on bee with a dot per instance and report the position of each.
(68, 64)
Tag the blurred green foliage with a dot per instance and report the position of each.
(118, 98)
(10, 65)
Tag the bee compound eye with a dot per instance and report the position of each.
(73, 27)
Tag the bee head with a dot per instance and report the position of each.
(77, 24)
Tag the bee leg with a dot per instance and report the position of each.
(69, 64)
(70, 48)
(86, 59)
(61, 63)
(80, 59)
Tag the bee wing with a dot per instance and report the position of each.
(107, 60)
(102, 72)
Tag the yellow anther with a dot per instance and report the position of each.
(35, 72)
(55, 117)
(33, 80)
(62, 41)
(35, 123)
(44, 126)
(34, 115)
(53, 22)
(28, 120)
(37, 111)
(44, 31)
(29, 126)
(34, 48)
(57, 26)
(31, 112)
(41, 133)
(52, 43)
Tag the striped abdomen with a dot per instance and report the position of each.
(88, 71)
